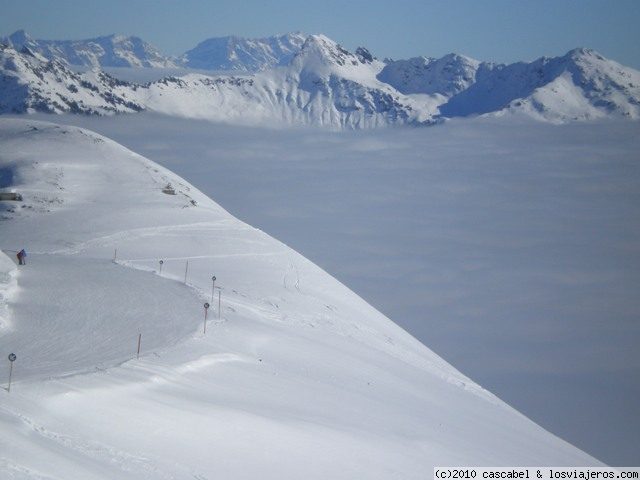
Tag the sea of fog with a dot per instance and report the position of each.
(512, 249)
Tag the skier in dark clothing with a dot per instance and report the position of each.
(22, 255)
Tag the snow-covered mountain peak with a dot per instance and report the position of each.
(321, 57)
(580, 85)
(313, 80)
(590, 61)
(458, 60)
(32, 83)
(445, 76)
(321, 50)
(584, 53)
(119, 38)
(22, 42)
(19, 38)
(244, 54)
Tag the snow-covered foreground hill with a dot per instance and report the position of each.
(508, 248)
(298, 378)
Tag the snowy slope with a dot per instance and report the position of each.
(244, 54)
(298, 378)
(107, 51)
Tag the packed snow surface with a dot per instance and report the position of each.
(296, 377)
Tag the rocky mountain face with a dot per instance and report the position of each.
(30, 83)
(243, 54)
(321, 83)
(108, 51)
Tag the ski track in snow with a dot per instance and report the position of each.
(66, 324)
(140, 233)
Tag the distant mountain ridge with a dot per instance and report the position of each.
(229, 53)
(107, 51)
(580, 85)
(322, 83)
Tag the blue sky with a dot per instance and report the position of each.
(496, 30)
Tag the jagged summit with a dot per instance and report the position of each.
(19, 38)
(321, 58)
(321, 50)
(364, 55)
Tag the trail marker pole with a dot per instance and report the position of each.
(115, 254)
(213, 286)
(161, 263)
(206, 309)
(186, 270)
(219, 310)
(139, 340)
(12, 358)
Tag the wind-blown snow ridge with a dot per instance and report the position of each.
(312, 80)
